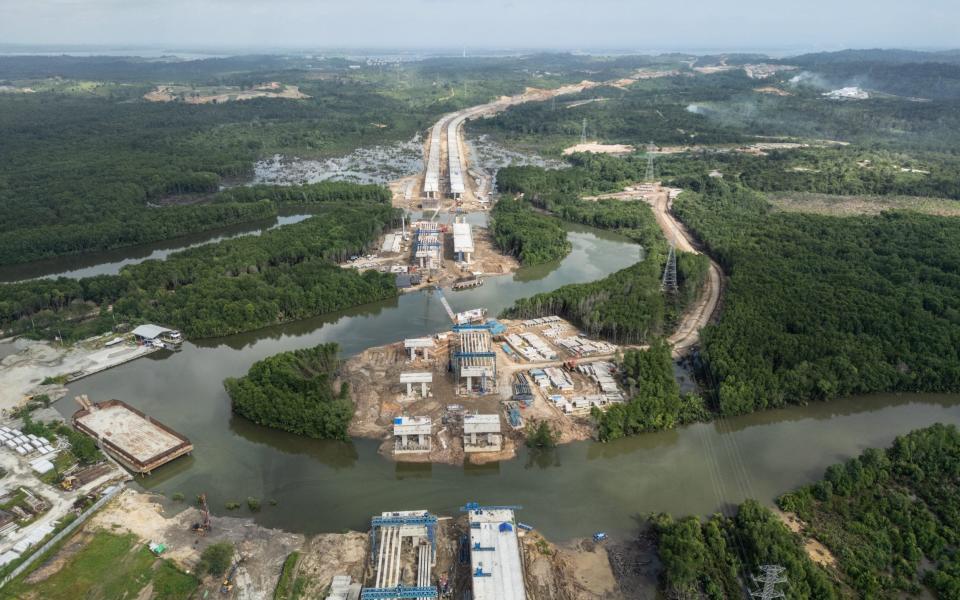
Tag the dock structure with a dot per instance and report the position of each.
(424, 378)
(495, 565)
(481, 433)
(412, 435)
(427, 247)
(158, 336)
(138, 442)
(431, 179)
(389, 534)
(474, 362)
(463, 242)
(422, 345)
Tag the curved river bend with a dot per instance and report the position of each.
(571, 491)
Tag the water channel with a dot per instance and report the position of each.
(571, 491)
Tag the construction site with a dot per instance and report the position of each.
(138, 442)
(469, 393)
(480, 552)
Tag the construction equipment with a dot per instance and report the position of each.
(570, 365)
(227, 583)
(69, 483)
(203, 526)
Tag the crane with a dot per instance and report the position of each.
(203, 526)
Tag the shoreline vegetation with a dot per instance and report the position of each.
(240, 284)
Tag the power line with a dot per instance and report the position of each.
(650, 176)
(772, 575)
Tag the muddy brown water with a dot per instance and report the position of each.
(326, 486)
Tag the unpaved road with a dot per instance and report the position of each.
(700, 312)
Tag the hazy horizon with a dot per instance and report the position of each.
(620, 26)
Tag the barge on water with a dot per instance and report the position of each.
(138, 442)
(466, 284)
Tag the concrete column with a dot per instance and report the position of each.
(413, 353)
(423, 390)
(409, 389)
(426, 354)
(469, 384)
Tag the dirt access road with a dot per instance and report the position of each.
(705, 307)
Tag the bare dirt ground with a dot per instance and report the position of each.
(598, 148)
(22, 373)
(769, 89)
(842, 206)
(579, 570)
(374, 378)
(817, 552)
(263, 550)
(167, 93)
(330, 554)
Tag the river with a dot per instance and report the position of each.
(571, 491)
(109, 262)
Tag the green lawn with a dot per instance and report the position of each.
(109, 567)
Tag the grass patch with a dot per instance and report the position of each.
(286, 586)
(842, 206)
(109, 566)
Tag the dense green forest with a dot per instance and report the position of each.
(717, 558)
(654, 396)
(236, 285)
(148, 225)
(728, 107)
(87, 159)
(627, 306)
(890, 517)
(820, 307)
(533, 238)
(294, 391)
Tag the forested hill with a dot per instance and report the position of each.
(820, 307)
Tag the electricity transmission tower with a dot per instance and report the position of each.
(669, 283)
(583, 132)
(650, 176)
(772, 575)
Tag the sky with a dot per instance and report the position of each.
(550, 24)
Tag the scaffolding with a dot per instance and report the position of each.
(475, 362)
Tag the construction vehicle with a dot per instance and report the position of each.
(570, 365)
(69, 483)
(227, 585)
(203, 526)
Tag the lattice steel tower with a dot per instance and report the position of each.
(669, 284)
(583, 132)
(772, 575)
(650, 176)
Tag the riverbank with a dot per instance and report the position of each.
(42, 368)
(578, 569)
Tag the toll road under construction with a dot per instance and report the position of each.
(445, 136)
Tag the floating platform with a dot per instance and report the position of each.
(140, 443)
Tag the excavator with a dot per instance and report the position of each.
(203, 526)
(227, 585)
